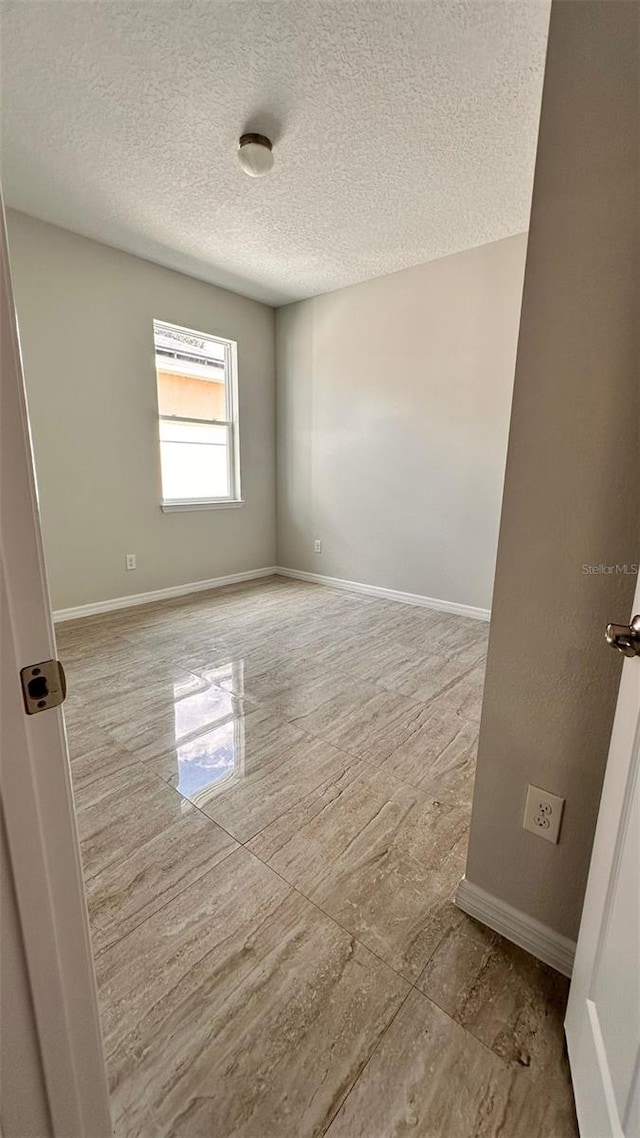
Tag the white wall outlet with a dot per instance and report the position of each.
(543, 813)
(317, 546)
(130, 560)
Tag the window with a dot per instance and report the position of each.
(198, 418)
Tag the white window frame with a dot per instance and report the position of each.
(230, 347)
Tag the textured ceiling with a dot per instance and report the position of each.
(403, 131)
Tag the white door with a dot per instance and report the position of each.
(53, 1075)
(603, 1016)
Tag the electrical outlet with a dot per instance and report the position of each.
(130, 561)
(317, 546)
(543, 813)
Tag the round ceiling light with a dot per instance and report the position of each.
(255, 155)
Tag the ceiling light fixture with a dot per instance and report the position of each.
(255, 155)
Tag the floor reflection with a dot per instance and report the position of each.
(209, 734)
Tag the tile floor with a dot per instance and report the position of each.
(273, 787)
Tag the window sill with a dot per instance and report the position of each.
(202, 504)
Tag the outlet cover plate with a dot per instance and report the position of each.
(543, 813)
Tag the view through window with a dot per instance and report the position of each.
(197, 408)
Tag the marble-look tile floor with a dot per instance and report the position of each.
(273, 786)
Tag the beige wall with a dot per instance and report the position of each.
(572, 490)
(85, 313)
(393, 412)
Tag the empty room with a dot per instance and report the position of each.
(320, 536)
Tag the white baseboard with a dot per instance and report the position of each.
(114, 603)
(160, 594)
(387, 594)
(538, 939)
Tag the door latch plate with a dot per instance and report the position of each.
(44, 685)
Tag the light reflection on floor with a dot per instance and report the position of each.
(209, 734)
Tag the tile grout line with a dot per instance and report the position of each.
(353, 758)
(245, 844)
(140, 764)
(107, 947)
(361, 1072)
(412, 984)
(266, 707)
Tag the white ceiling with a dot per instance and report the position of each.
(403, 131)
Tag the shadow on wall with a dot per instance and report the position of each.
(571, 497)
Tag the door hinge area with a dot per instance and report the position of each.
(44, 685)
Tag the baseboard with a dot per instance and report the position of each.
(111, 605)
(160, 594)
(538, 939)
(387, 594)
